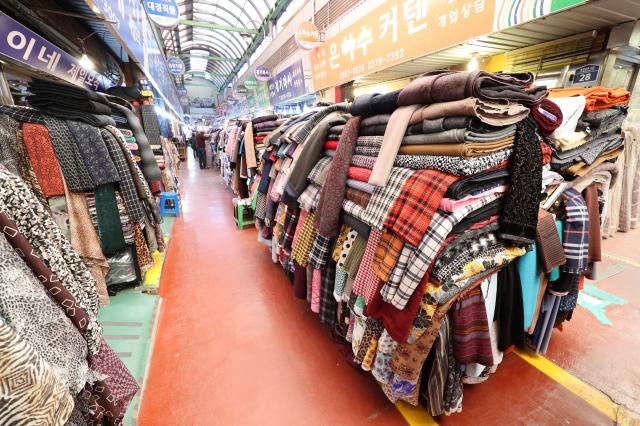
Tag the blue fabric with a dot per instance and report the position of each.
(530, 273)
(555, 274)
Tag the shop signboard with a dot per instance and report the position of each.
(262, 97)
(135, 34)
(262, 73)
(287, 84)
(176, 66)
(20, 44)
(165, 13)
(182, 91)
(307, 36)
(586, 75)
(251, 83)
(398, 31)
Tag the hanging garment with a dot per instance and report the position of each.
(42, 159)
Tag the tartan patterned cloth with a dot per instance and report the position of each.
(398, 271)
(387, 254)
(353, 209)
(361, 198)
(319, 170)
(303, 242)
(132, 202)
(320, 252)
(419, 199)
(289, 228)
(383, 198)
(426, 251)
(576, 233)
(363, 161)
(24, 114)
(310, 197)
(328, 306)
(366, 281)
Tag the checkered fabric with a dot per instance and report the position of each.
(368, 151)
(387, 254)
(396, 274)
(304, 243)
(366, 281)
(25, 114)
(305, 130)
(310, 197)
(73, 167)
(353, 209)
(575, 233)
(373, 141)
(363, 161)
(383, 198)
(318, 170)
(132, 203)
(361, 198)
(411, 213)
(320, 252)
(289, 228)
(429, 247)
(328, 305)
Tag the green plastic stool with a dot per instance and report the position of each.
(241, 207)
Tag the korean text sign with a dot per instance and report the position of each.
(287, 84)
(395, 32)
(23, 45)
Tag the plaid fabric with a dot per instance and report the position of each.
(363, 161)
(398, 271)
(361, 198)
(383, 198)
(132, 203)
(387, 254)
(289, 228)
(310, 197)
(576, 233)
(353, 209)
(373, 141)
(320, 252)
(366, 281)
(261, 206)
(25, 114)
(319, 169)
(344, 230)
(303, 133)
(420, 197)
(328, 306)
(304, 243)
(429, 247)
(73, 167)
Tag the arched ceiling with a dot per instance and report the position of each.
(214, 35)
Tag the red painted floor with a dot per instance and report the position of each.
(234, 347)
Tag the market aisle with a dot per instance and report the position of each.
(234, 347)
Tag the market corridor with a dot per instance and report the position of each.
(234, 347)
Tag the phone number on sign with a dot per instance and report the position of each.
(373, 64)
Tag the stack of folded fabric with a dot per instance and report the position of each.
(429, 221)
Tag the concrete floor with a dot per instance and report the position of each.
(234, 347)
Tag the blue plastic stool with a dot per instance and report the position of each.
(169, 196)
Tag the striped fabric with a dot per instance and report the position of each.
(576, 233)
(470, 330)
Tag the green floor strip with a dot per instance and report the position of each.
(127, 323)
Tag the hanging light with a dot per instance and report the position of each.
(473, 62)
(85, 61)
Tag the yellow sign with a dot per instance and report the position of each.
(398, 31)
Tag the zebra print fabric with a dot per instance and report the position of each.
(30, 393)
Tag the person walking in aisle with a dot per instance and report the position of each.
(200, 149)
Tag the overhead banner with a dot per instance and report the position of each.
(401, 30)
(133, 29)
(287, 84)
(23, 45)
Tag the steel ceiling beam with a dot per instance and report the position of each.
(210, 57)
(212, 26)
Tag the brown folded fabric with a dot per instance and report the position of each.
(471, 149)
(491, 113)
(548, 242)
(582, 168)
(593, 209)
(359, 197)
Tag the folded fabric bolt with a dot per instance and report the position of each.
(330, 145)
(265, 119)
(480, 182)
(45, 101)
(451, 205)
(459, 166)
(548, 244)
(374, 104)
(359, 173)
(363, 161)
(607, 119)
(587, 153)
(471, 149)
(459, 136)
(359, 197)
(443, 86)
(597, 98)
(375, 130)
(548, 116)
(375, 120)
(336, 130)
(362, 186)
(582, 169)
(491, 113)
(441, 124)
(370, 141)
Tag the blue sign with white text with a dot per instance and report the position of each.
(176, 66)
(287, 84)
(163, 12)
(23, 45)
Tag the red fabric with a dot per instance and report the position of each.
(43, 159)
(358, 173)
(155, 186)
(546, 152)
(548, 116)
(420, 197)
(331, 145)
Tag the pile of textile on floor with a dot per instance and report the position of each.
(429, 228)
(78, 216)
